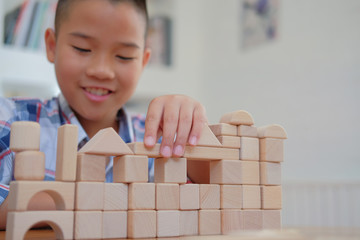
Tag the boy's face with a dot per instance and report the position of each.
(99, 56)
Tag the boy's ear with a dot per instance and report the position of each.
(147, 54)
(50, 42)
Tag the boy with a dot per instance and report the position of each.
(98, 50)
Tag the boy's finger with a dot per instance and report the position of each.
(170, 124)
(184, 127)
(152, 122)
(199, 119)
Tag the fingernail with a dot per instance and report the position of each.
(178, 150)
(149, 141)
(193, 141)
(166, 152)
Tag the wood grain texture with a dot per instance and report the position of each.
(189, 196)
(271, 197)
(29, 166)
(25, 136)
(239, 117)
(253, 219)
(168, 223)
(251, 197)
(130, 168)
(141, 224)
(90, 168)
(89, 196)
(66, 153)
(230, 196)
(229, 141)
(88, 225)
(209, 222)
(270, 173)
(247, 131)
(141, 196)
(272, 219)
(271, 150)
(170, 170)
(226, 172)
(272, 131)
(114, 224)
(209, 196)
(249, 148)
(167, 196)
(189, 223)
(232, 220)
(115, 196)
(223, 129)
(208, 138)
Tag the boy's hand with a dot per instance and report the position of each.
(174, 114)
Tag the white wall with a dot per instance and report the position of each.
(308, 81)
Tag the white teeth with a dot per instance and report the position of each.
(97, 91)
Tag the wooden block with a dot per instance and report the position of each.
(191, 153)
(229, 141)
(114, 224)
(22, 192)
(231, 221)
(247, 131)
(209, 222)
(271, 150)
(168, 223)
(272, 219)
(89, 196)
(66, 153)
(25, 136)
(251, 197)
(223, 129)
(199, 171)
(141, 223)
(250, 172)
(106, 142)
(239, 117)
(253, 219)
(29, 165)
(189, 223)
(249, 148)
(189, 196)
(226, 172)
(272, 131)
(208, 138)
(88, 225)
(115, 196)
(170, 170)
(91, 168)
(270, 173)
(130, 168)
(141, 196)
(18, 223)
(209, 196)
(230, 196)
(271, 197)
(167, 196)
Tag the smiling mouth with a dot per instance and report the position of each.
(97, 91)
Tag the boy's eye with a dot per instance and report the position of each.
(81, 49)
(125, 58)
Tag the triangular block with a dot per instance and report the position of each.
(239, 117)
(272, 131)
(208, 138)
(106, 142)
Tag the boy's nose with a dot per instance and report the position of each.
(101, 68)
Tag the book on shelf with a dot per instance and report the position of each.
(25, 26)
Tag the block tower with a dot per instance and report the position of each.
(235, 169)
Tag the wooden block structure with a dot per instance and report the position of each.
(235, 169)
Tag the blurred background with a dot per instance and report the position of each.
(295, 63)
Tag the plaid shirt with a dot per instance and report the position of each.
(51, 114)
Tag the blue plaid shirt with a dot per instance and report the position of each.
(51, 114)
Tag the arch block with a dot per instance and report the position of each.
(18, 223)
(272, 131)
(22, 192)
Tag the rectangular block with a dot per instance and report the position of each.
(130, 168)
(91, 168)
(168, 223)
(249, 148)
(189, 196)
(25, 136)
(223, 129)
(88, 225)
(251, 197)
(114, 224)
(66, 153)
(189, 223)
(231, 221)
(141, 224)
(23, 191)
(229, 141)
(29, 166)
(253, 219)
(271, 150)
(272, 219)
(167, 196)
(209, 222)
(230, 196)
(191, 153)
(170, 170)
(89, 196)
(250, 172)
(199, 171)
(270, 173)
(115, 196)
(247, 131)
(226, 172)
(209, 196)
(141, 196)
(271, 197)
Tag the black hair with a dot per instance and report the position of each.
(63, 7)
